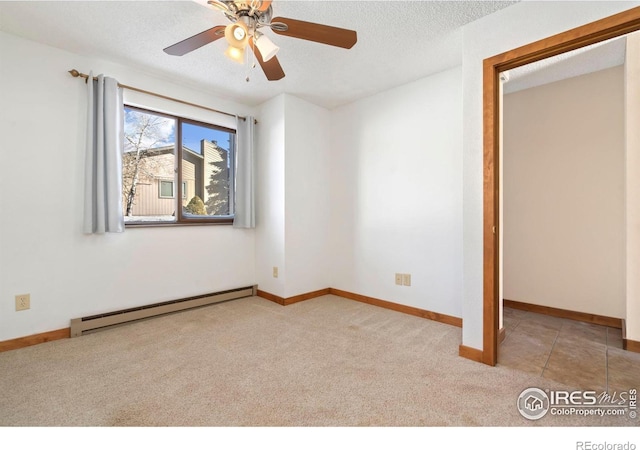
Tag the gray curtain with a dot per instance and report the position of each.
(245, 197)
(103, 163)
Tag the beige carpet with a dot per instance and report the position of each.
(251, 362)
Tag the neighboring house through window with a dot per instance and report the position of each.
(154, 165)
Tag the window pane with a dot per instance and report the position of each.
(207, 154)
(148, 167)
(166, 189)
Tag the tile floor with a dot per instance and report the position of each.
(578, 354)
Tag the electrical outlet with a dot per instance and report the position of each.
(399, 279)
(23, 301)
(406, 279)
(275, 272)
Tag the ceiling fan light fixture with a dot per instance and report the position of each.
(235, 53)
(267, 48)
(237, 35)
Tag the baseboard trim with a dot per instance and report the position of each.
(269, 296)
(595, 319)
(34, 339)
(502, 334)
(291, 300)
(470, 353)
(438, 317)
(423, 313)
(307, 296)
(629, 344)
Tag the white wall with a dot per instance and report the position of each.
(632, 182)
(564, 244)
(42, 249)
(396, 194)
(293, 158)
(308, 178)
(512, 27)
(270, 195)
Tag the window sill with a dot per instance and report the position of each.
(190, 223)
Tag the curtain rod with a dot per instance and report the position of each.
(74, 73)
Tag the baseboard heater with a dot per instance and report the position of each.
(90, 323)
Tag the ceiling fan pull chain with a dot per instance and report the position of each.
(252, 34)
(248, 66)
(254, 37)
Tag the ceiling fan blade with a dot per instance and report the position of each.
(196, 41)
(324, 34)
(272, 68)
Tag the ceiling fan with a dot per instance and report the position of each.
(247, 18)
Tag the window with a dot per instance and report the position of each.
(166, 189)
(163, 152)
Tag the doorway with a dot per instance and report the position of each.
(608, 28)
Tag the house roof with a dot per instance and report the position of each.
(166, 149)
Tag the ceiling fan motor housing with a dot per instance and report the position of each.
(257, 10)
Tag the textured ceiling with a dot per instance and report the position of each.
(600, 56)
(398, 42)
